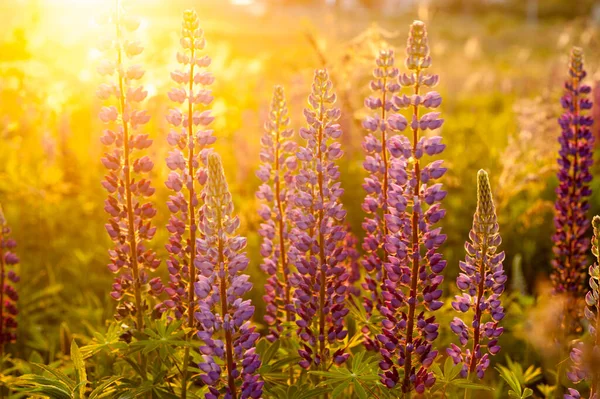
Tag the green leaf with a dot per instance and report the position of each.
(359, 390)
(464, 383)
(270, 352)
(527, 393)
(339, 389)
(80, 374)
(104, 388)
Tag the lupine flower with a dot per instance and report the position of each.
(482, 282)
(413, 267)
(585, 357)
(223, 315)
(321, 281)
(129, 191)
(575, 158)
(380, 166)
(190, 139)
(8, 294)
(352, 262)
(596, 112)
(277, 155)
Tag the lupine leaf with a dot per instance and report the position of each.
(80, 374)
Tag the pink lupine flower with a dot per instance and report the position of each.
(321, 282)
(127, 204)
(380, 165)
(277, 155)
(190, 137)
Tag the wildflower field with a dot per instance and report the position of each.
(293, 199)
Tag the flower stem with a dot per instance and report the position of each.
(133, 255)
(384, 156)
(192, 224)
(415, 253)
(2, 278)
(281, 224)
(477, 317)
(225, 308)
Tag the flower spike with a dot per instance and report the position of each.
(223, 315)
(572, 202)
(128, 187)
(8, 293)
(413, 266)
(279, 161)
(190, 138)
(319, 233)
(482, 281)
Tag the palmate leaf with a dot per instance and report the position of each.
(362, 374)
(517, 390)
(38, 384)
(163, 336)
(304, 391)
(105, 342)
(450, 377)
(106, 389)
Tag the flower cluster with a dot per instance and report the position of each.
(223, 316)
(586, 360)
(413, 267)
(575, 158)
(130, 211)
(321, 282)
(382, 168)
(482, 281)
(279, 161)
(8, 294)
(190, 139)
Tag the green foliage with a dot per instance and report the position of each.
(361, 377)
(517, 379)
(50, 381)
(449, 382)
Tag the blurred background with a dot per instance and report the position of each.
(502, 64)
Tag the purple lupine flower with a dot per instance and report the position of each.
(413, 266)
(380, 165)
(575, 158)
(352, 262)
(585, 356)
(277, 155)
(321, 281)
(596, 112)
(8, 293)
(190, 138)
(223, 315)
(482, 282)
(128, 189)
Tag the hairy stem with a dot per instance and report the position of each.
(477, 317)
(415, 252)
(133, 252)
(284, 271)
(384, 156)
(225, 308)
(192, 223)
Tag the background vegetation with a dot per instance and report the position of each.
(501, 79)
